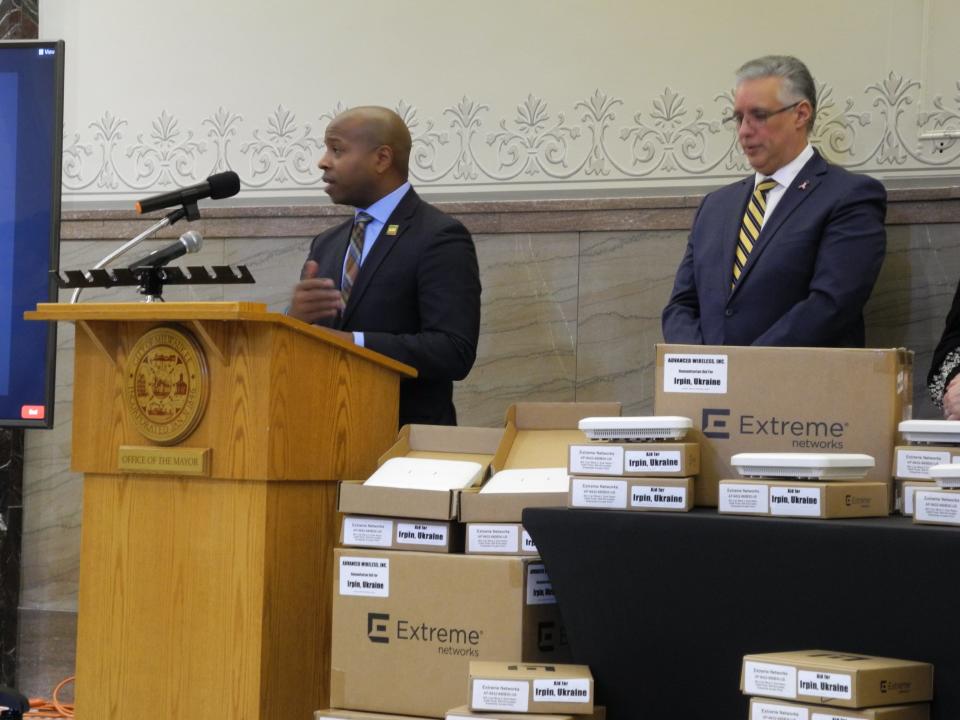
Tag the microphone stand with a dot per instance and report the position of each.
(163, 222)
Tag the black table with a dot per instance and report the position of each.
(663, 607)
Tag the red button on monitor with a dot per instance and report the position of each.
(32, 412)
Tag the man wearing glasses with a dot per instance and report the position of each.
(789, 255)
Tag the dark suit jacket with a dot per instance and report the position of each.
(808, 277)
(416, 299)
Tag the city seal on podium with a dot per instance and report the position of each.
(166, 384)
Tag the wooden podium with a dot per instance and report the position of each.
(207, 595)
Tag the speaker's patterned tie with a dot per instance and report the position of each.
(354, 255)
(750, 227)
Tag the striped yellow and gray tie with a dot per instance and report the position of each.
(750, 227)
(354, 255)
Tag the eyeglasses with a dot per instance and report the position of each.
(757, 118)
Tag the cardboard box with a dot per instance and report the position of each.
(504, 507)
(906, 492)
(936, 506)
(647, 459)
(436, 442)
(401, 534)
(333, 714)
(767, 399)
(536, 435)
(526, 688)
(802, 498)
(407, 624)
(499, 539)
(838, 679)
(464, 713)
(912, 462)
(638, 494)
(766, 709)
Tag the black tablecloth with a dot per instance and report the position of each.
(663, 607)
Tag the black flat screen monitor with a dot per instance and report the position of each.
(31, 132)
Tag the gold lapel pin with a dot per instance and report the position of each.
(392, 229)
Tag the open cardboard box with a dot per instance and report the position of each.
(536, 435)
(438, 442)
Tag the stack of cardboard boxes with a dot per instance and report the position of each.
(408, 618)
(767, 399)
(924, 450)
(639, 476)
(823, 685)
(929, 461)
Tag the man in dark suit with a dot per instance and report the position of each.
(790, 255)
(400, 277)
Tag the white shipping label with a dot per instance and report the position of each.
(539, 589)
(659, 461)
(837, 686)
(492, 538)
(737, 498)
(916, 464)
(572, 690)
(365, 576)
(508, 695)
(591, 493)
(695, 373)
(527, 544)
(776, 711)
(422, 534)
(769, 679)
(909, 491)
(658, 496)
(372, 532)
(934, 506)
(795, 501)
(834, 716)
(596, 460)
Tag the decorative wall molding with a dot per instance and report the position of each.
(469, 146)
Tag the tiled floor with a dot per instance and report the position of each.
(46, 652)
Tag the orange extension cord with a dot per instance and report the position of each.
(40, 708)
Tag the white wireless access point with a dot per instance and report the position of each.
(426, 474)
(946, 476)
(634, 429)
(931, 431)
(529, 480)
(804, 466)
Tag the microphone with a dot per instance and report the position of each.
(218, 186)
(189, 242)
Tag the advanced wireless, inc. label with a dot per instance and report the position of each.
(695, 373)
(539, 589)
(365, 576)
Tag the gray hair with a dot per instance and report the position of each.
(797, 80)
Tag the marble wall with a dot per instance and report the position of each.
(572, 293)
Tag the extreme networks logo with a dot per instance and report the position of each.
(807, 434)
(461, 642)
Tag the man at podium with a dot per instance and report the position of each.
(400, 277)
